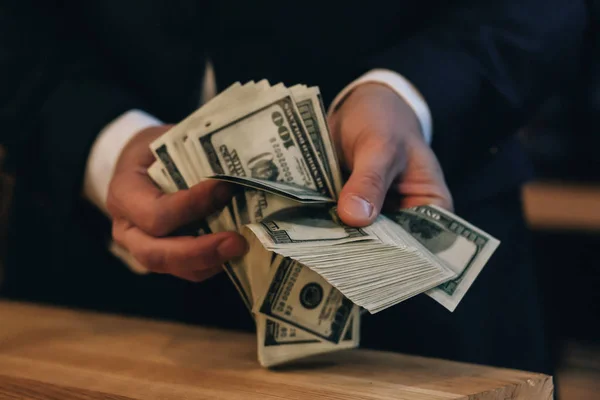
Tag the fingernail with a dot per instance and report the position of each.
(222, 194)
(232, 247)
(358, 207)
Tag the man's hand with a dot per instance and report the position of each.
(142, 215)
(379, 139)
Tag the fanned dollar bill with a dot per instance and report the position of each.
(279, 343)
(298, 296)
(287, 190)
(375, 267)
(465, 248)
(307, 277)
(312, 112)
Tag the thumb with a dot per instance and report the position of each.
(374, 169)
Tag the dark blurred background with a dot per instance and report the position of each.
(562, 205)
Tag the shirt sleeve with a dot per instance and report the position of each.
(101, 163)
(106, 150)
(403, 87)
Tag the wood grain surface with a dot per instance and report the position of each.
(49, 353)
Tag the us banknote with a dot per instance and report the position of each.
(465, 248)
(307, 275)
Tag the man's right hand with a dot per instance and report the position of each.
(143, 215)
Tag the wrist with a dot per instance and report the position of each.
(137, 149)
(105, 152)
(402, 87)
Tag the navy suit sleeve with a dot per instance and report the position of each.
(60, 93)
(485, 66)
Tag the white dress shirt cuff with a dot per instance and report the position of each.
(402, 87)
(106, 150)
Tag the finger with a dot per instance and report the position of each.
(423, 182)
(425, 194)
(183, 256)
(134, 197)
(375, 165)
(418, 195)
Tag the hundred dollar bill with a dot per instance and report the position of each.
(279, 343)
(263, 142)
(264, 204)
(300, 297)
(288, 190)
(231, 97)
(174, 141)
(465, 248)
(312, 111)
(279, 149)
(375, 266)
(306, 227)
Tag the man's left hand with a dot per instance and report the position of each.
(379, 140)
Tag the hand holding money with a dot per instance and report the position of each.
(379, 139)
(307, 272)
(143, 215)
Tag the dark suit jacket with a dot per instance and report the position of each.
(69, 68)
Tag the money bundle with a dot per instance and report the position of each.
(307, 275)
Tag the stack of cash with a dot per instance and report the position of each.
(307, 275)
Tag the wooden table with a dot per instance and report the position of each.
(48, 353)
